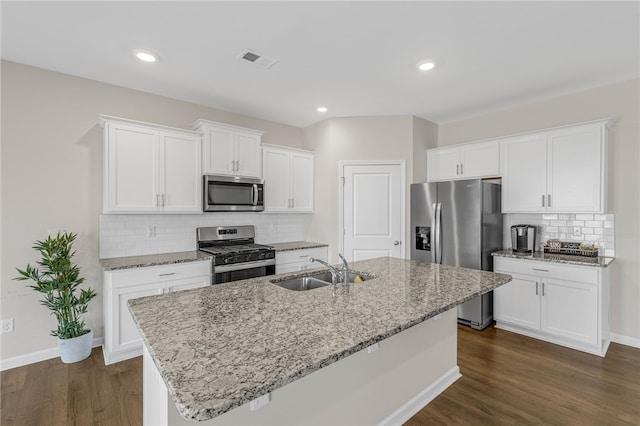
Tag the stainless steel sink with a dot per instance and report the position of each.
(302, 283)
(326, 276)
(319, 280)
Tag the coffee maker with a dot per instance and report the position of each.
(523, 238)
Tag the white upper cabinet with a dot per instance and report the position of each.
(467, 161)
(230, 150)
(150, 168)
(288, 179)
(560, 170)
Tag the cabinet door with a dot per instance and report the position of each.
(248, 155)
(132, 168)
(523, 165)
(182, 177)
(302, 182)
(219, 152)
(276, 180)
(480, 160)
(575, 168)
(125, 333)
(570, 310)
(518, 302)
(443, 164)
(190, 283)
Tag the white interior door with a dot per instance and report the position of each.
(373, 210)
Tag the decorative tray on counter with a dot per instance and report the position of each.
(571, 248)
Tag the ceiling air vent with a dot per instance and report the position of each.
(256, 58)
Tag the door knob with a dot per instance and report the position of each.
(396, 243)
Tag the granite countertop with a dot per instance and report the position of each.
(153, 260)
(600, 261)
(296, 245)
(222, 346)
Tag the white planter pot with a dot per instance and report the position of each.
(75, 349)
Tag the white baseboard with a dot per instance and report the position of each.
(418, 402)
(625, 340)
(33, 357)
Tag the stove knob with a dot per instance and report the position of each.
(261, 256)
(226, 260)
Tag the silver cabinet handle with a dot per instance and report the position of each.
(543, 289)
(539, 270)
(548, 200)
(536, 288)
(304, 255)
(396, 243)
(542, 200)
(237, 165)
(457, 169)
(157, 200)
(461, 169)
(167, 274)
(293, 203)
(163, 200)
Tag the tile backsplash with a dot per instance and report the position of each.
(595, 229)
(133, 235)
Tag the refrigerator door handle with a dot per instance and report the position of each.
(434, 224)
(438, 236)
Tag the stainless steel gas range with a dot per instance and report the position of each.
(235, 254)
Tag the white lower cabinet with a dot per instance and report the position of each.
(560, 303)
(300, 260)
(122, 339)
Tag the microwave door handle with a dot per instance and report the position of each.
(255, 194)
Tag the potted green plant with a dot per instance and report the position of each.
(58, 279)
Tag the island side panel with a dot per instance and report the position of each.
(387, 386)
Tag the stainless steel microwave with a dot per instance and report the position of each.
(228, 193)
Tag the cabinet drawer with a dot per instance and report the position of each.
(303, 255)
(583, 274)
(159, 274)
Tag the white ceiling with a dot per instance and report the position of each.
(356, 58)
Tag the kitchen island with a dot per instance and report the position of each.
(375, 353)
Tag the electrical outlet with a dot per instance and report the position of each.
(7, 326)
(151, 231)
(259, 402)
(577, 231)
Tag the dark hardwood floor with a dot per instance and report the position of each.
(85, 393)
(508, 379)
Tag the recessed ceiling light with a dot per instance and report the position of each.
(145, 55)
(426, 65)
(322, 109)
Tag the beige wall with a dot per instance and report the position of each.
(52, 177)
(621, 102)
(402, 137)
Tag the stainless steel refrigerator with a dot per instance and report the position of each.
(459, 223)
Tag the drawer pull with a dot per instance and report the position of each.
(543, 289)
(536, 289)
(305, 255)
(167, 274)
(539, 270)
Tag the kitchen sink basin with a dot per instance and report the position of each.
(326, 276)
(319, 280)
(302, 283)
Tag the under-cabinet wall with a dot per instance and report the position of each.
(131, 235)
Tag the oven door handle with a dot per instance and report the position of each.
(244, 265)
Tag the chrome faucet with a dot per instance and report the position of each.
(334, 272)
(345, 270)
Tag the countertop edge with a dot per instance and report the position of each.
(593, 262)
